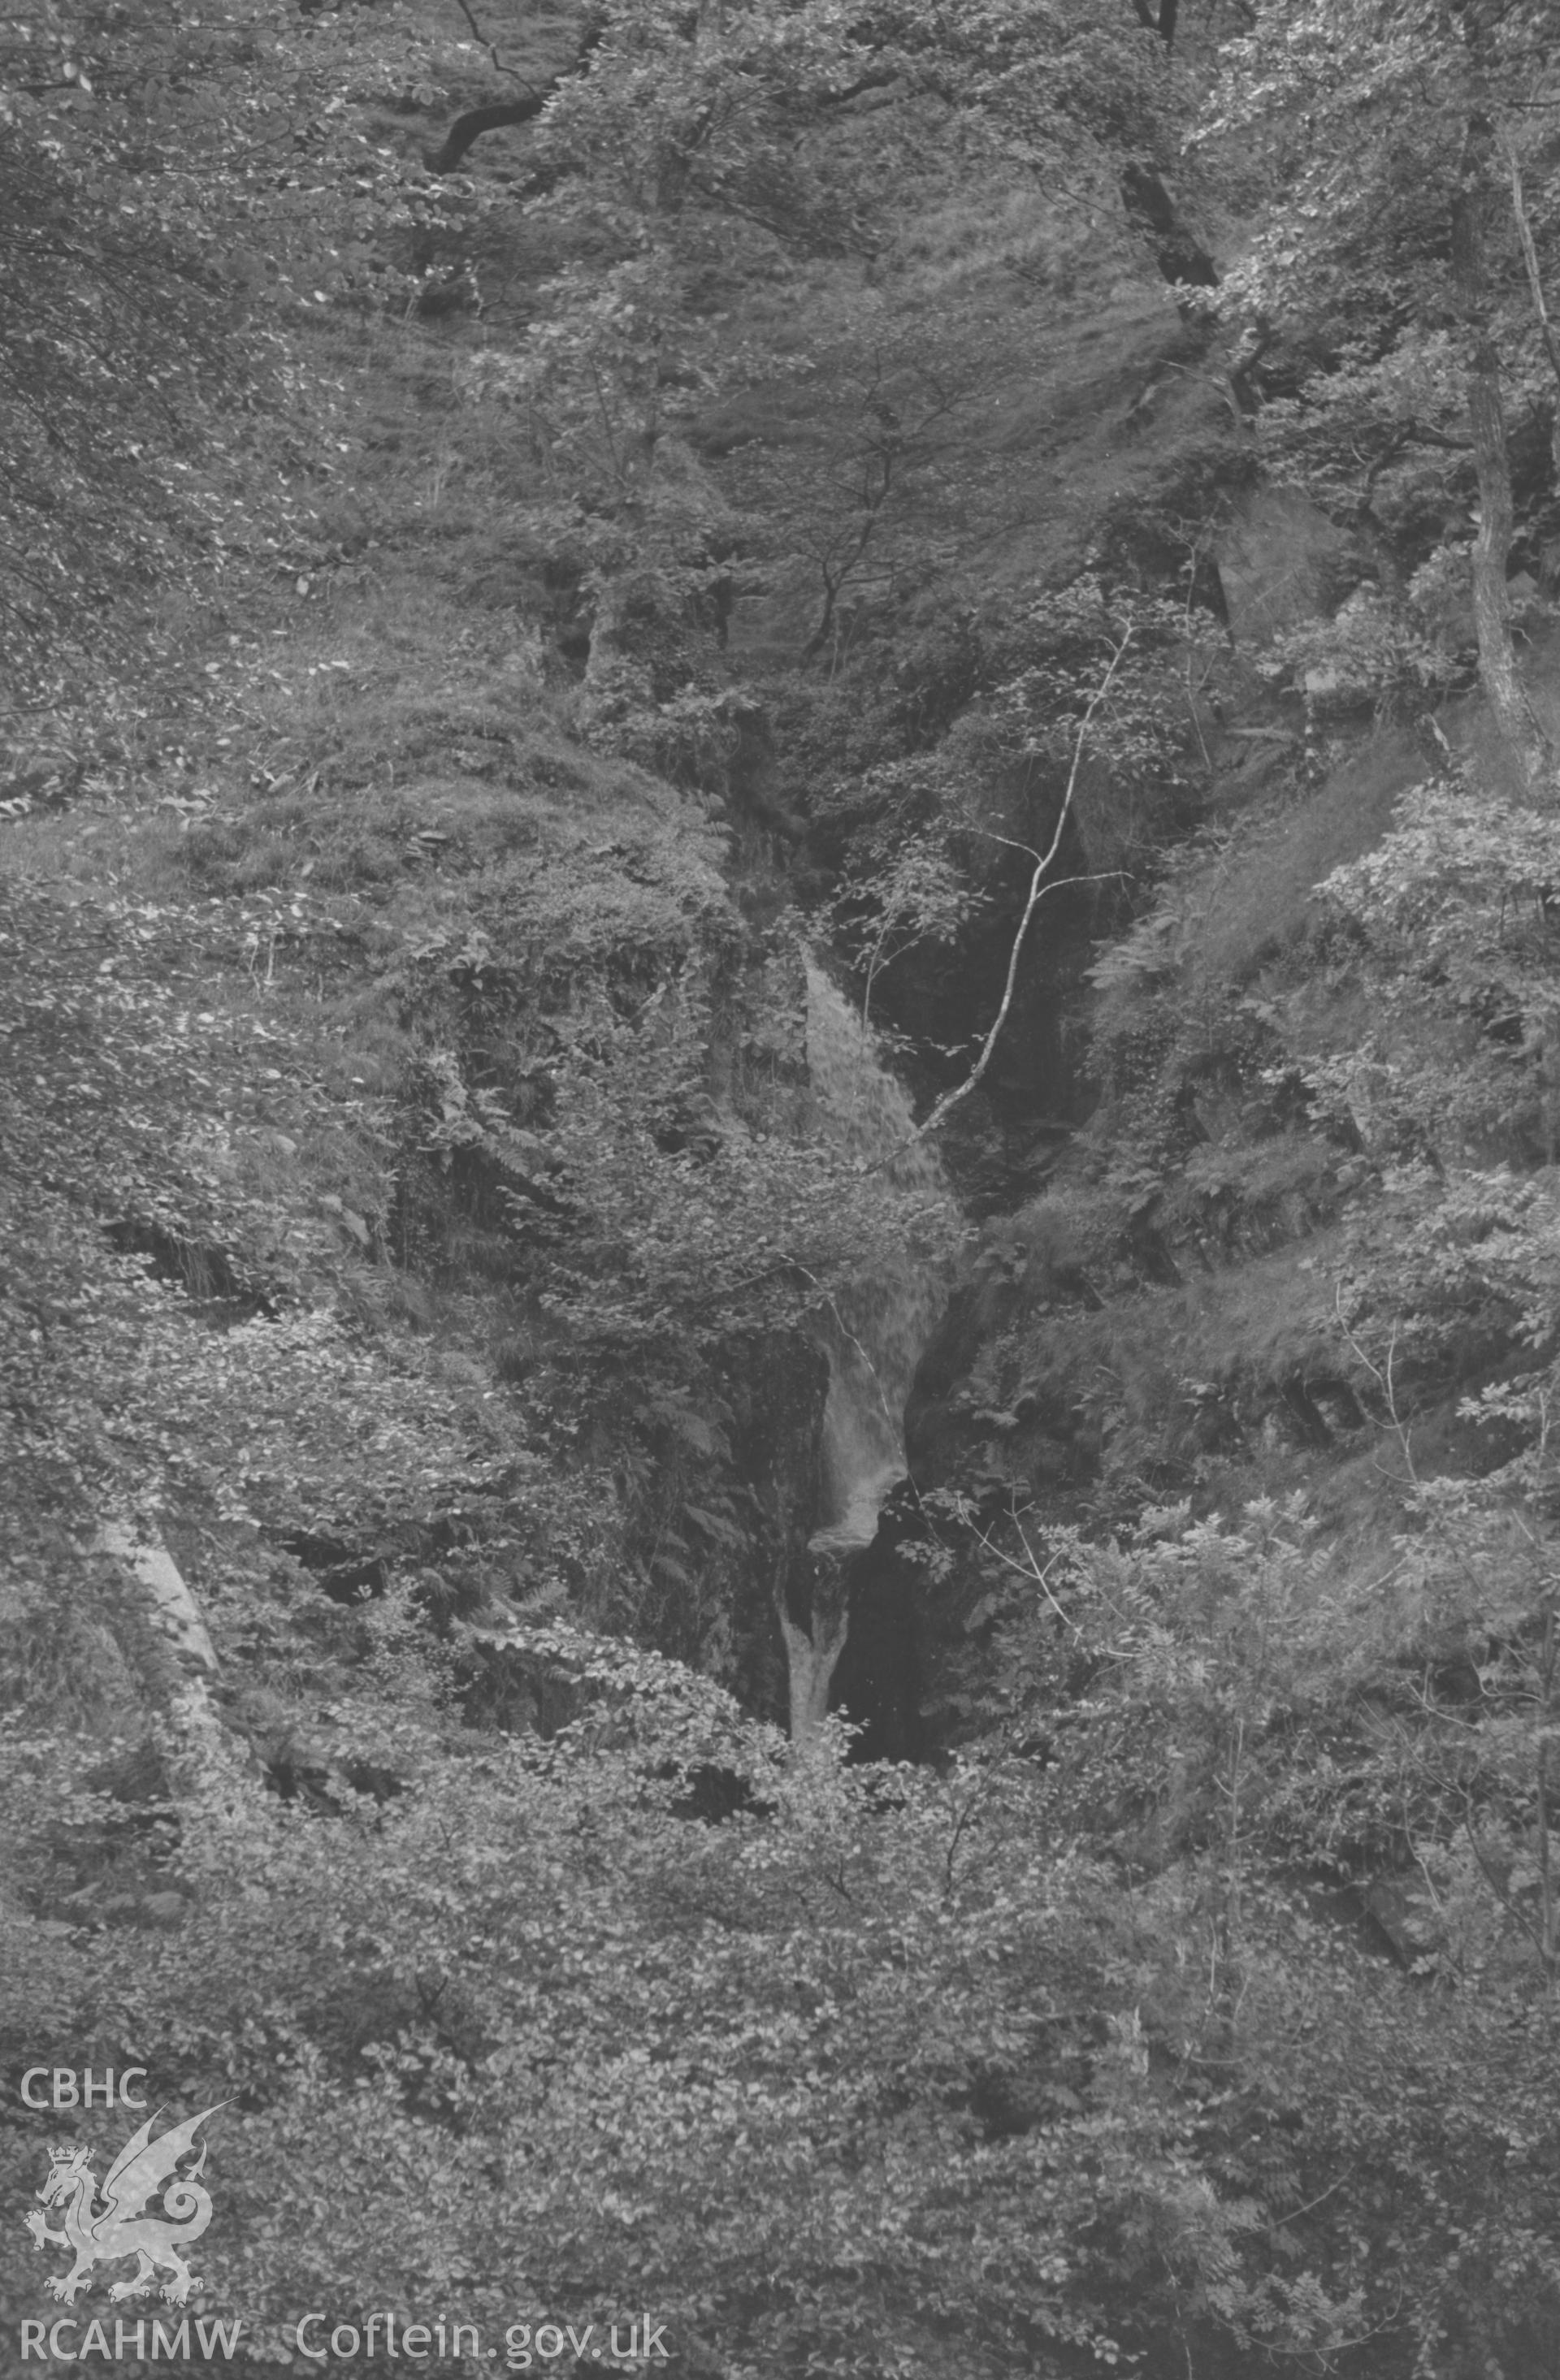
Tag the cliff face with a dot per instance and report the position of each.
(512, 820)
(449, 903)
(762, 955)
(644, 665)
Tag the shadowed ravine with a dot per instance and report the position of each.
(873, 1333)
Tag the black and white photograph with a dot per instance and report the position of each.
(780, 1189)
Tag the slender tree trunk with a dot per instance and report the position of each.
(1535, 290)
(176, 1617)
(1160, 20)
(1548, 1920)
(1513, 714)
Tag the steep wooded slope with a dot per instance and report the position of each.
(579, 599)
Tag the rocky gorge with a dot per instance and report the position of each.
(778, 1298)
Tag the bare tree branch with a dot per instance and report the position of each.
(492, 48)
(1038, 887)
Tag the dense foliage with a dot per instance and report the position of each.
(1403, 150)
(490, 628)
(854, 2073)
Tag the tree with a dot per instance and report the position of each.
(170, 186)
(1475, 197)
(850, 2071)
(115, 341)
(1159, 21)
(1378, 123)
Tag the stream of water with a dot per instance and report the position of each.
(873, 1330)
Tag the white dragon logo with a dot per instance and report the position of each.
(122, 2227)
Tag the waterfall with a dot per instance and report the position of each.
(872, 1330)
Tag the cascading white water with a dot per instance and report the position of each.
(873, 1331)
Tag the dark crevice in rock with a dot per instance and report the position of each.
(345, 1576)
(1179, 253)
(204, 1272)
(879, 1682)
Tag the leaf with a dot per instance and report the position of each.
(712, 1524)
